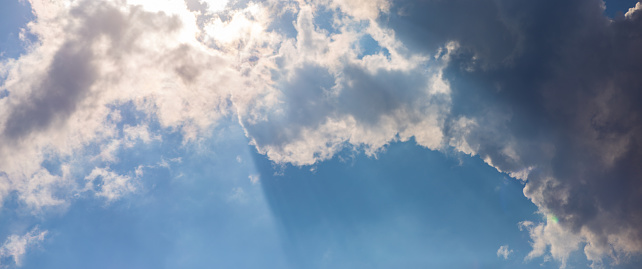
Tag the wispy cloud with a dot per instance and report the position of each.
(108, 184)
(16, 246)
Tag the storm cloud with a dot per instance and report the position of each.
(549, 91)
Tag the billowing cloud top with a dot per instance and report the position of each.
(546, 91)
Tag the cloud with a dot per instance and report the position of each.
(93, 57)
(254, 178)
(518, 93)
(504, 252)
(363, 9)
(327, 96)
(632, 10)
(214, 5)
(545, 91)
(561, 242)
(108, 184)
(16, 246)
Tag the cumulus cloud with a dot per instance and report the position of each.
(504, 252)
(15, 247)
(545, 91)
(329, 96)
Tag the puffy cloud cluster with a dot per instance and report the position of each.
(546, 91)
(329, 94)
(91, 58)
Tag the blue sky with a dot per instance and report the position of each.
(320, 134)
(15, 16)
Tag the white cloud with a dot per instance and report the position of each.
(363, 9)
(215, 5)
(254, 179)
(138, 132)
(504, 252)
(16, 246)
(631, 11)
(554, 236)
(110, 185)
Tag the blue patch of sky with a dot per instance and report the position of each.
(284, 24)
(408, 208)
(324, 20)
(201, 212)
(616, 8)
(370, 46)
(52, 164)
(12, 219)
(14, 15)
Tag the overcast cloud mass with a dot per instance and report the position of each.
(547, 92)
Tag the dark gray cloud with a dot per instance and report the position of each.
(553, 85)
(70, 76)
(483, 26)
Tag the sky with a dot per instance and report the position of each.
(320, 134)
